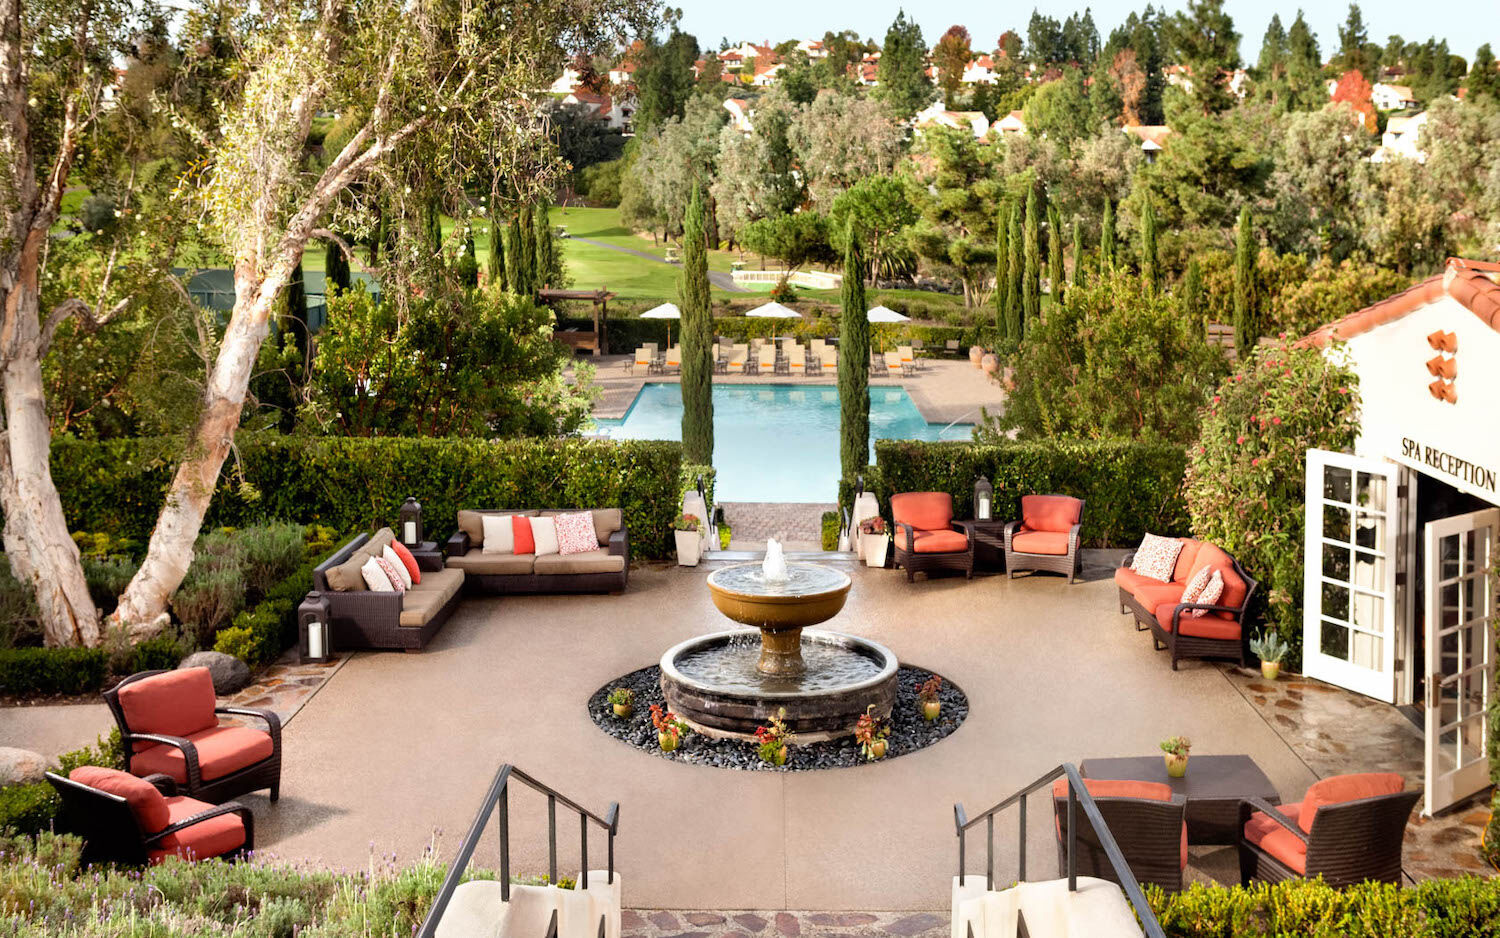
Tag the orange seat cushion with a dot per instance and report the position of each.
(221, 751)
(1186, 558)
(1128, 580)
(1340, 788)
(1198, 627)
(925, 511)
(176, 703)
(1276, 840)
(1122, 788)
(212, 837)
(940, 542)
(1210, 555)
(1152, 593)
(1040, 542)
(1056, 513)
(145, 802)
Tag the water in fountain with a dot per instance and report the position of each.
(731, 667)
(773, 568)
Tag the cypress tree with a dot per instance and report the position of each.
(854, 363)
(467, 268)
(1080, 274)
(295, 299)
(1031, 277)
(1192, 291)
(1055, 254)
(516, 271)
(526, 255)
(434, 221)
(1107, 239)
(546, 257)
(335, 270)
(1245, 335)
(1150, 259)
(697, 338)
(496, 266)
(1013, 284)
(1002, 269)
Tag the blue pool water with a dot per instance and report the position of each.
(776, 443)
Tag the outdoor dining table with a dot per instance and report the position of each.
(1214, 787)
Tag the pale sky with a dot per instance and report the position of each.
(1466, 24)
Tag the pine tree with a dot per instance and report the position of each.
(1055, 254)
(697, 338)
(1150, 258)
(1107, 239)
(546, 252)
(1484, 79)
(1245, 335)
(514, 249)
(1080, 273)
(496, 268)
(1031, 276)
(335, 270)
(854, 363)
(1002, 270)
(1192, 292)
(1013, 280)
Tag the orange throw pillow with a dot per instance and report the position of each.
(520, 527)
(408, 561)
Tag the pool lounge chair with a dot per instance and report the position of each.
(908, 359)
(737, 358)
(893, 366)
(767, 360)
(674, 359)
(796, 359)
(643, 360)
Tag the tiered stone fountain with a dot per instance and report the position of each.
(728, 683)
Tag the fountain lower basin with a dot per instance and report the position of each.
(780, 609)
(712, 682)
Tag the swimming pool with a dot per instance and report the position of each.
(776, 443)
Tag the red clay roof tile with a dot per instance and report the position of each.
(1471, 283)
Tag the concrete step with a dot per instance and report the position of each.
(478, 910)
(1097, 909)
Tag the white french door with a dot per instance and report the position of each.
(1460, 625)
(1349, 590)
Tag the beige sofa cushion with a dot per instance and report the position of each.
(378, 541)
(477, 561)
(425, 600)
(469, 523)
(593, 561)
(606, 522)
(346, 577)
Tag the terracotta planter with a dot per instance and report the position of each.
(874, 547)
(976, 354)
(623, 711)
(989, 363)
(877, 749)
(931, 709)
(667, 741)
(1176, 765)
(689, 545)
(1270, 670)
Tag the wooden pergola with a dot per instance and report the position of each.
(596, 341)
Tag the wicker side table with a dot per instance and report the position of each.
(989, 543)
(429, 555)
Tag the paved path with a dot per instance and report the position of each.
(718, 278)
(797, 525)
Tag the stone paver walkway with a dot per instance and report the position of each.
(662, 923)
(286, 686)
(797, 525)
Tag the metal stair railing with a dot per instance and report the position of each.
(1078, 795)
(497, 800)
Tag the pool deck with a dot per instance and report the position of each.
(945, 390)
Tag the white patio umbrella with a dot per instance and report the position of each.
(664, 311)
(774, 310)
(885, 314)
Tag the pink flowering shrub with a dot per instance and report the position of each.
(1246, 474)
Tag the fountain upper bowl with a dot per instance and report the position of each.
(812, 593)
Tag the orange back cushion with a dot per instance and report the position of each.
(1341, 788)
(925, 511)
(1050, 512)
(146, 803)
(176, 703)
(1186, 559)
(1210, 555)
(1117, 788)
(408, 561)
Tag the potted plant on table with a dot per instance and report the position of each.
(622, 700)
(874, 541)
(871, 732)
(927, 698)
(669, 728)
(772, 741)
(689, 539)
(1271, 649)
(1175, 753)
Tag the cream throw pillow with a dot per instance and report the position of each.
(394, 559)
(544, 535)
(375, 577)
(499, 536)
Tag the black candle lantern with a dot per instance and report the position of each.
(984, 499)
(313, 639)
(411, 523)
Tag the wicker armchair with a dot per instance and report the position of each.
(135, 821)
(925, 537)
(1347, 829)
(1221, 634)
(1046, 537)
(1146, 819)
(169, 724)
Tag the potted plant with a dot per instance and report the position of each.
(871, 732)
(1175, 750)
(1271, 649)
(689, 540)
(873, 541)
(669, 729)
(976, 355)
(622, 699)
(927, 698)
(771, 741)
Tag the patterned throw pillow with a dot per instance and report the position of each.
(1210, 595)
(575, 533)
(544, 535)
(1156, 557)
(389, 569)
(1196, 584)
(375, 578)
(393, 560)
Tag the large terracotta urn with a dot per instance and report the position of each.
(989, 363)
(975, 355)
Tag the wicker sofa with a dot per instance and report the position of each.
(362, 618)
(1221, 633)
(603, 570)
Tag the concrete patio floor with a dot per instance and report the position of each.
(395, 746)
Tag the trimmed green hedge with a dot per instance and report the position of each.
(1468, 907)
(1130, 487)
(627, 334)
(358, 484)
